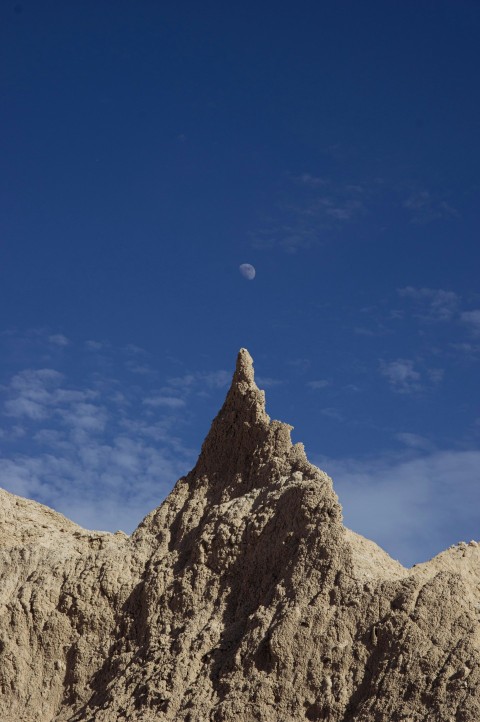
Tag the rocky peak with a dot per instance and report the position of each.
(244, 447)
(244, 373)
(244, 401)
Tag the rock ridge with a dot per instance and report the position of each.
(241, 597)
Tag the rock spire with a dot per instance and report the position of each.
(244, 447)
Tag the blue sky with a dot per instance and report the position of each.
(148, 150)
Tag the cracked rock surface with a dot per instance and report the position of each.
(242, 597)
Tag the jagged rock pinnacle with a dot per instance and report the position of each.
(244, 399)
(244, 393)
(239, 429)
(244, 448)
(244, 368)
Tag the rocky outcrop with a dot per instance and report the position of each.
(242, 597)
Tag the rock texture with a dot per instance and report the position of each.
(242, 597)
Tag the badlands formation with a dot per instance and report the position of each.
(241, 598)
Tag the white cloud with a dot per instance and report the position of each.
(199, 382)
(170, 401)
(182, 382)
(100, 468)
(59, 339)
(215, 379)
(319, 384)
(332, 413)
(432, 304)
(472, 320)
(13, 433)
(266, 382)
(20, 476)
(310, 180)
(401, 375)
(311, 207)
(342, 211)
(131, 348)
(363, 331)
(35, 378)
(48, 437)
(30, 393)
(97, 484)
(25, 407)
(96, 345)
(300, 364)
(412, 504)
(436, 375)
(425, 207)
(85, 416)
(413, 441)
(101, 451)
(141, 369)
(36, 394)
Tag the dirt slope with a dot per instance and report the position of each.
(242, 597)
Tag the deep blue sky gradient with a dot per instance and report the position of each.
(148, 149)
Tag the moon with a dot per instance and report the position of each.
(247, 271)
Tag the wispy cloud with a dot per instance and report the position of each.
(12, 433)
(332, 413)
(135, 350)
(414, 441)
(364, 331)
(97, 484)
(407, 504)
(59, 339)
(311, 207)
(288, 237)
(84, 417)
(37, 394)
(432, 304)
(215, 379)
(472, 321)
(267, 382)
(97, 345)
(468, 350)
(92, 444)
(141, 369)
(434, 308)
(182, 382)
(136, 360)
(307, 179)
(425, 206)
(436, 375)
(200, 380)
(301, 365)
(171, 402)
(329, 198)
(318, 384)
(401, 375)
(339, 209)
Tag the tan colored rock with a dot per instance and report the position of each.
(242, 597)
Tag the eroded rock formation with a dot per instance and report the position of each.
(242, 597)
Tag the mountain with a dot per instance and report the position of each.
(242, 597)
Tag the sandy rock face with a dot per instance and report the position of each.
(242, 597)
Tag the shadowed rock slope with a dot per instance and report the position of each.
(242, 597)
